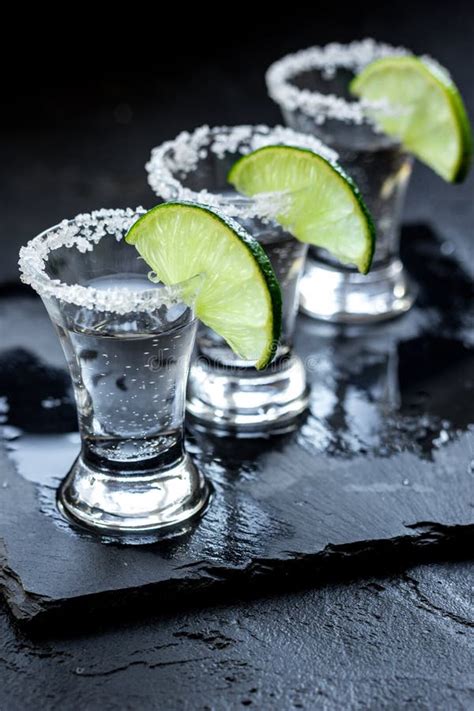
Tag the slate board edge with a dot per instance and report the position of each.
(428, 541)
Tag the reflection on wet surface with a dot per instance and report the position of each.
(384, 395)
(407, 385)
(44, 459)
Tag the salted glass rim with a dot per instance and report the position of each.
(84, 232)
(183, 153)
(327, 58)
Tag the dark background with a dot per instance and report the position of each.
(82, 112)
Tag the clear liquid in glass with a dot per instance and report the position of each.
(381, 170)
(129, 376)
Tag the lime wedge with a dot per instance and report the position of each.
(240, 298)
(322, 205)
(428, 115)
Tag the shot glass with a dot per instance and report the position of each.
(224, 392)
(128, 345)
(311, 88)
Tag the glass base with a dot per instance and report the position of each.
(133, 502)
(246, 400)
(339, 296)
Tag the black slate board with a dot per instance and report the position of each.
(383, 461)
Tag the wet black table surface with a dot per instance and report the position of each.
(380, 621)
(381, 465)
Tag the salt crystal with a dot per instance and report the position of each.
(442, 438)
